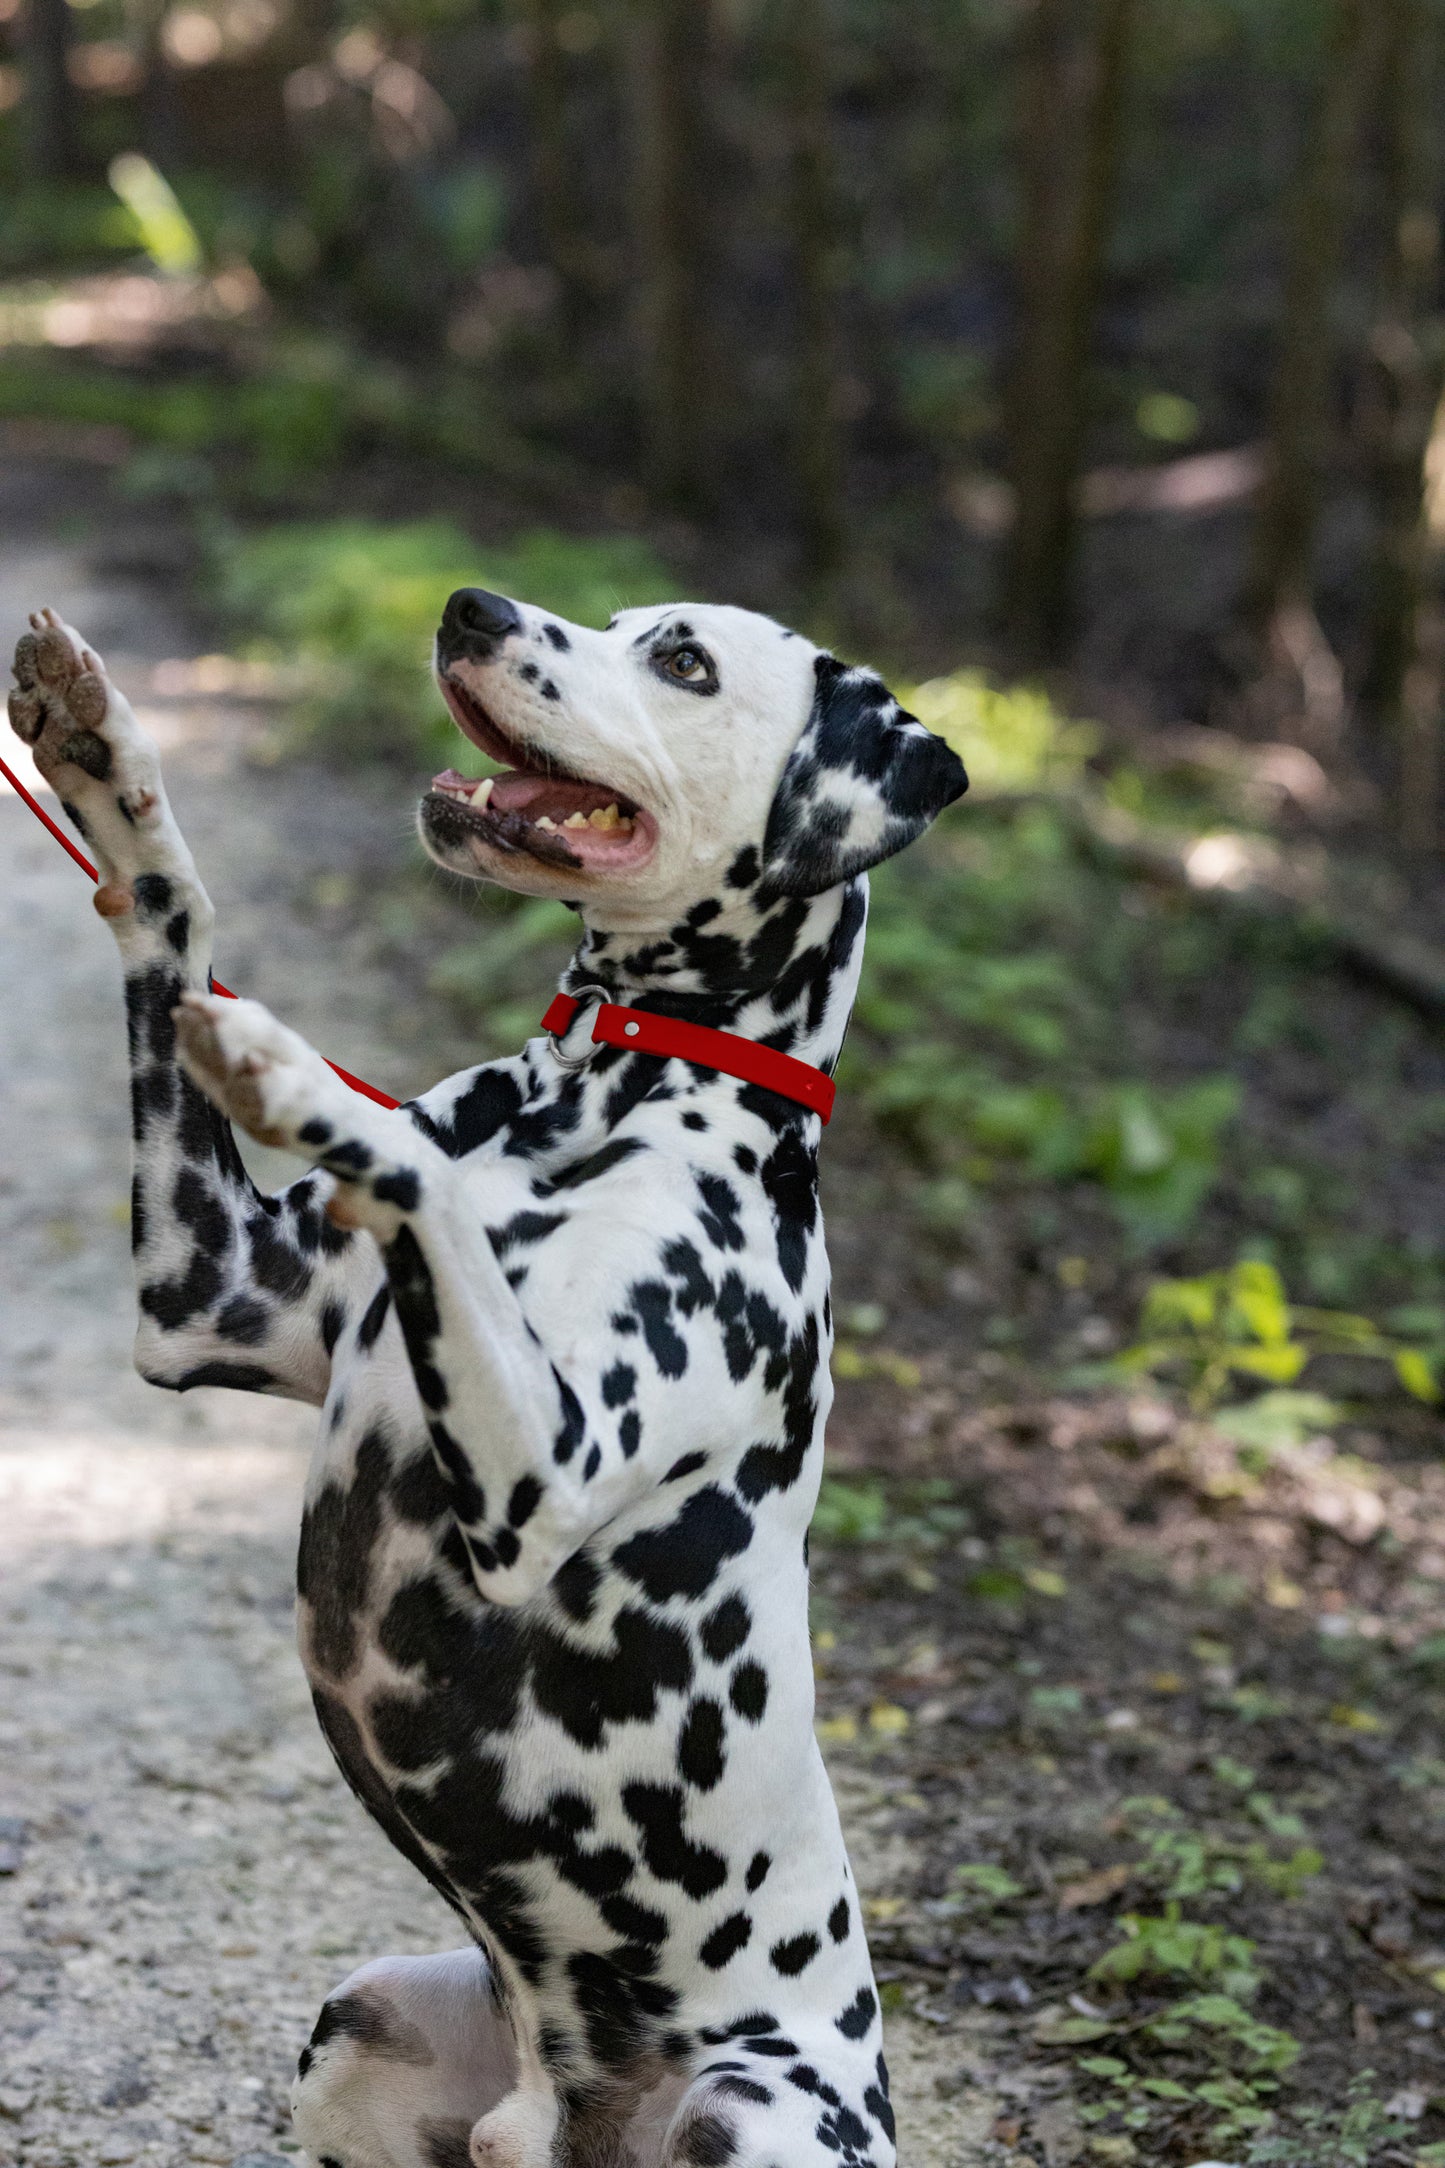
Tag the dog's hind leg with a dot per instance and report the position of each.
(407, 2055)
(235, 1288)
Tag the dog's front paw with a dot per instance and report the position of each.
(106, 772)
(264, 1076)
(78, 725)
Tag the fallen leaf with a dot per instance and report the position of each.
(1093, 1889)
(888, 1720)
(1351, 1719)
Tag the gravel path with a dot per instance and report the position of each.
(184, 1875)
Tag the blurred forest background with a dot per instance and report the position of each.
(1080, 362)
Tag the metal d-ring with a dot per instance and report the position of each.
(579, 995)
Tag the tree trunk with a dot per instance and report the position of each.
(559, 213)
(672, 54)
(52, 132)
(1299, 424)
(1072, 130)
(818, 462)
(1402, 687)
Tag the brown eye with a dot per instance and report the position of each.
(687, 663)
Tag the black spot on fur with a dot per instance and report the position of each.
(403, 1189)
(368, 1332)
(794, 1954)
(757, 1872)
(838, 1920)
(749, 1691)
(244, 1320)
(618, 1385)
(658, 1810)
(586, 1690)
(859, 2015)
(700, 1756)
(740, 2088)
(524, 1501)
(338, 1535)
(575, 1585)
(727, 1938)
(726, 1629)
(683, 1558)
(557, 637)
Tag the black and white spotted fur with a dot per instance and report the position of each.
(567, 1316)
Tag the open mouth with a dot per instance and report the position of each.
(542, 809)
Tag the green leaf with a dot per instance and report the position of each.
(1416, 1373)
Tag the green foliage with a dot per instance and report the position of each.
(982, 1878)
(1186, 1862)
(356, 605)
(494, 976)
(1239, 1324)
(916, 1516)
(850, 1512)
(1171, 1947)
(1322, 2137)
(62, 225)
(1010, 739)
(165, 232)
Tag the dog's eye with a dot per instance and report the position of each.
(689, 664)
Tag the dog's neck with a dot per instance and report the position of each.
(779, 969)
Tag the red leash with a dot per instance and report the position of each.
(368, 1091)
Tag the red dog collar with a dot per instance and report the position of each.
(638, 1031)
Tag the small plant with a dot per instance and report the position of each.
(982, 1879)
(850, 1512)
(1332, 2138)
(1156, 2068)
(1191, 1863)
(1171, 1947)
(1239, 1325)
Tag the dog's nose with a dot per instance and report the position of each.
(474, 622)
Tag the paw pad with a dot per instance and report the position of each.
(54, 656)
(86, 700)
(27, 716)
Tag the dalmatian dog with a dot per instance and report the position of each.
(567, 1317)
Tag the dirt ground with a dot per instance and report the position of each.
(182, 1874)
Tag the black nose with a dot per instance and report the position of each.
(474, 622)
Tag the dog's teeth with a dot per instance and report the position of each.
(606, 817)
(575, 820)
(546, 822)
(483, 791)
(626, 825)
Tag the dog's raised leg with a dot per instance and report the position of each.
(504, 1423)
(235, 1288)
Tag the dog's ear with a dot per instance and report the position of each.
(864, 779)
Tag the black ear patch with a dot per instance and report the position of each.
(864, 779)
